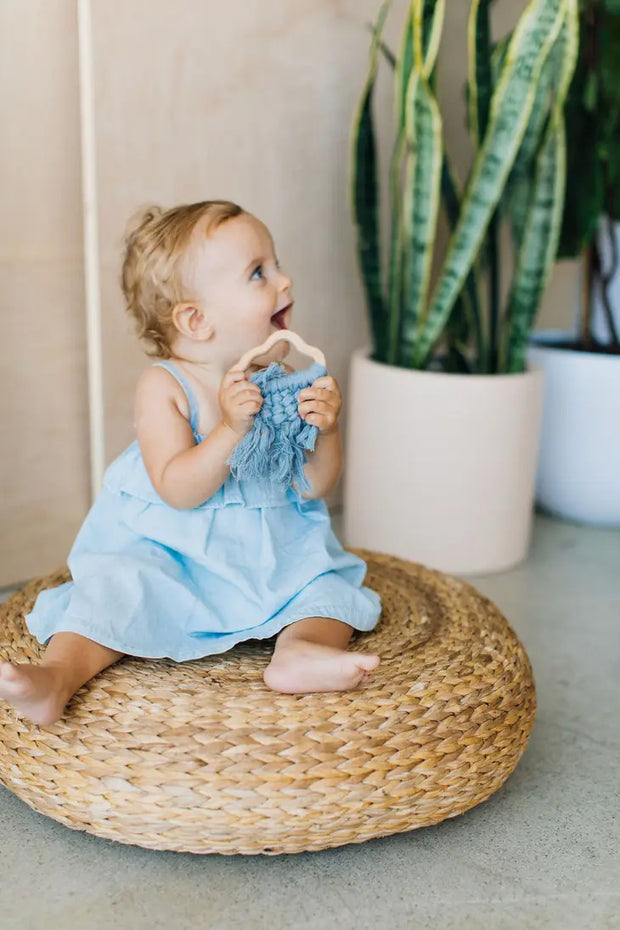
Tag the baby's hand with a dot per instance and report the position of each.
(240, 401)
(320, 404)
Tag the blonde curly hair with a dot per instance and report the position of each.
(156, 243)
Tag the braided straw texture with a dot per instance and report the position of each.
(202, 757)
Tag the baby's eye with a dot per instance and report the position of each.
(257, 274)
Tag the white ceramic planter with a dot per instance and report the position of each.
(579, 470)
(440, 469)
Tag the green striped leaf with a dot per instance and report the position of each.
(395, 273)
(404, 64)
(517, 195)
(498, 58)
(466, 317)
(430, 25)
(479, 101)
(516, 204)
(421, 195)
(539, 244)
(425, 18)
(541, 107)
(365, 199)
(544, 219)
(428, 16)
(569, 44)
(510, 111)
(480, 78)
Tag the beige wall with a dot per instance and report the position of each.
(192, 101)
(43, 407)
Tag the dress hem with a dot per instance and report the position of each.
(316, 610)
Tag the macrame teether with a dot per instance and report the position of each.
(276, 446)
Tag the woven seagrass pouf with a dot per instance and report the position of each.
(202, 757)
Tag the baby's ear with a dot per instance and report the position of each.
(190, 320)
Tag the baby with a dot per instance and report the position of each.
(177, 558)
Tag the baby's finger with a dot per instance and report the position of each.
(241, 387)
(250, 406)
(316, 390)
(241, 396)
(319, 394)
(315, 406)
(233, 376)
(322, 397)
(322, 421)
(248, 403)
(327, 383)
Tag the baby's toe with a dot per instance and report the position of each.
(367, 662)
(9, 672)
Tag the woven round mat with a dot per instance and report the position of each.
(202, 757)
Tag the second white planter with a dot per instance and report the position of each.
(579, 468)
(440, 469)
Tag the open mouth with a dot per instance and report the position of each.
(280, 319)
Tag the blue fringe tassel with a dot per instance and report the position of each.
(275, 448)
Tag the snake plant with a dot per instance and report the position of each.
(516, 89)
(592, 204)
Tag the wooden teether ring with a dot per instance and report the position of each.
(291, 337)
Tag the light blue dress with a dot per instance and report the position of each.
(152, 581)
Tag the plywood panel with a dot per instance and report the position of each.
(43, 408)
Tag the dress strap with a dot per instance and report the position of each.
(191, 399)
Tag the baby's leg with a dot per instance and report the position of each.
(310, 655)
(40, 692)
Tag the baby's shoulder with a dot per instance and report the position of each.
(157, 387)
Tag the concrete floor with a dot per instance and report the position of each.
(543, 852)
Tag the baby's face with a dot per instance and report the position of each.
(236, 278)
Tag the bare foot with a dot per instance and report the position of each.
(34, 691)
(303, 667)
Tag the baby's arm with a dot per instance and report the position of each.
(183, 474)
(320, 405)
